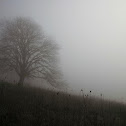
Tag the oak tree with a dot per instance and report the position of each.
(25, 49)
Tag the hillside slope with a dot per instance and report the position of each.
(39, 107)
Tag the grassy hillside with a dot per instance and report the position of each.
(39, 107)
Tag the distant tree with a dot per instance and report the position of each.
(26, 50)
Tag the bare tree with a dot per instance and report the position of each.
(26, 50)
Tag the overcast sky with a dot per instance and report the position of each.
(92, 37)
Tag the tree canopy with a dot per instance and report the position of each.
(25, 49)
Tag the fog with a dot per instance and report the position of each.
(92, 37)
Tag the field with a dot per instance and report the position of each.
(27, 106)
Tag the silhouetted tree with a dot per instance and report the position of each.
(26, 50)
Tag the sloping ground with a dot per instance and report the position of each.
(39, 107)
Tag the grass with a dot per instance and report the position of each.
(40, 107)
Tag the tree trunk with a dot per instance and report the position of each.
(21, 81)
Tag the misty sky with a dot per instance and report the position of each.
(92, 37)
